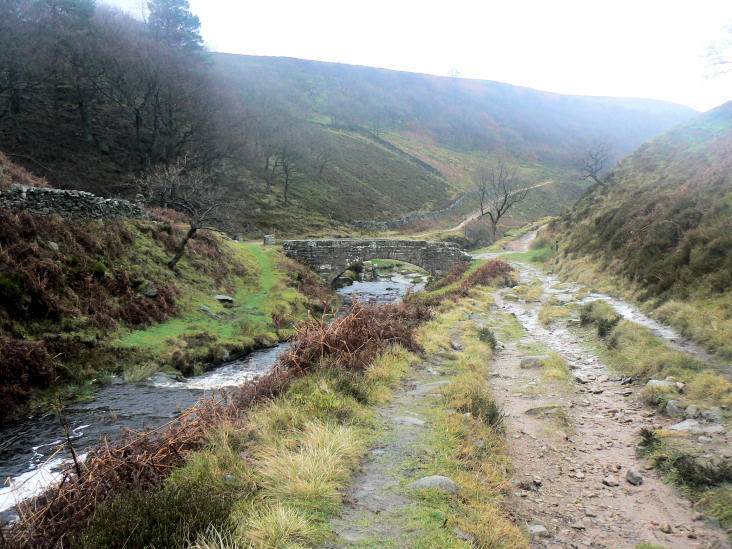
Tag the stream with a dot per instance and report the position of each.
(32, 452)
(567, 292)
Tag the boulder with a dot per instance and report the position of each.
(713, 414)
(435, 482)
(695, 428)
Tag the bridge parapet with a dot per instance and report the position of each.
(331, 257)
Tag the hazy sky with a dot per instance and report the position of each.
(638, 48)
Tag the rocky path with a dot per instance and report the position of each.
(375, 506)
(579, 481)
(573, 448)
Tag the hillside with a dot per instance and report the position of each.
(308, 145)
(83, 300)
(662, 225)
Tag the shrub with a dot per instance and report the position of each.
(601, 314)
(165, 517)
(25, 365)
(469, 394)
(12, 292)
(486, 335)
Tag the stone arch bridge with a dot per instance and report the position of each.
(331, 257)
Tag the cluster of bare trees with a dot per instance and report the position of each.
(144, 84)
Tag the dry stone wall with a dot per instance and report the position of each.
(67, 203)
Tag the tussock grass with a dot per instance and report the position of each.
(551, 313)
(717, 503)
(529, 293)
(311, 475)
(278, 526)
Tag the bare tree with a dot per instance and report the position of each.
(593, 163)
(188, 190)
(287, 159)
(498, 189)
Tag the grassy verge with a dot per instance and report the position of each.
(282, 446)
(264, 310)
(465, 443)
(273, 479)
(702, 315)
(634, 350)
(707, 483)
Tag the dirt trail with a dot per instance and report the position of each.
(578, 441)
(571, 444)
(374, 508)
(476, 214)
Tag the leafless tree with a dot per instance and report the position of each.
(499, 188)
(287, 160)
(188, 190)
(594, 162)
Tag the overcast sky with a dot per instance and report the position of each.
(638, 48)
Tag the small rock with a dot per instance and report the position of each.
(148, 289)
(691, 411)
(660, 383)
(665, 528)
(435, 482)
(579, 475)
(537, 531)
(463, 535)
(456, 346)
(206, 309)
(537, 481)
(634, 477)
(579, 525)
(610, 481)
(704, 439)
(534, 361)
(226, 300)
(231, 479)
(53, 246)
(673, 408)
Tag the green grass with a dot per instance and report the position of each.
(245, 325)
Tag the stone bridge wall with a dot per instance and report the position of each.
(66, 203)
(330, 258)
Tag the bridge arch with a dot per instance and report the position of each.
(331, 257)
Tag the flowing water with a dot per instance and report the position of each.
(568, 292)
(32, 451)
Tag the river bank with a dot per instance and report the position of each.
(29, 448)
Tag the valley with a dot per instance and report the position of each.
(264, 302)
